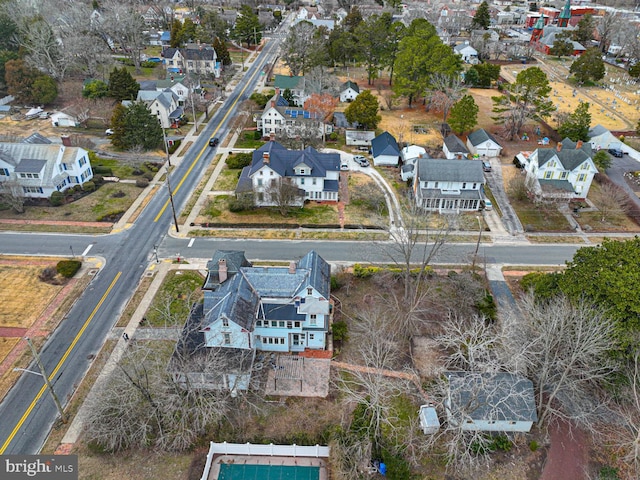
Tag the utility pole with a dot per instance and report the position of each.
(475, 254)
(63, 417)
(173, 208)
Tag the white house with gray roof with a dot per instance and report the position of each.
(453, 147)
(279, 118)
(315, 174)
(443, 185)
(249, 309)
(483, 144)
(164, 105)
(41, 169)
(195, 58)
(562, 172)
(385, 150)
(349, 91)
(490, 402)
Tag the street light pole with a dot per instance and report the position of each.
(42, 373)
(173, 208)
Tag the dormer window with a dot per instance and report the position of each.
(302, 171)
(225, 322)
(309, 291)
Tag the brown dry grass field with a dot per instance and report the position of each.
(23, 310)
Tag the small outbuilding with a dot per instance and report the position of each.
(429, 421)
(385, 150)
(483, 144)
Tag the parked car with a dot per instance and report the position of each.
(108, 132)
(486, 166)
(344, 165)
(487, 204)
(214, 142)
(616, 152)
(361, 160)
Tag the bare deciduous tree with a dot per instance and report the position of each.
(12, 194)
(445, 91)
(611, 201)
(284, 194)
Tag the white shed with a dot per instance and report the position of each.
(429, 419)
(61, 119)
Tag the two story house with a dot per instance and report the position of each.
(385, 150)
(40, 169)
(315, 174)
(249, 309)
(281, 119)
(562, 172)
(197, 58)
(443, 185)
(490, 402)
(295, 84)
(164, 105)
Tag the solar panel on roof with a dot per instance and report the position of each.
(287, 111)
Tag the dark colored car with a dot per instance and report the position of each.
(214, 142)
(486, 166)
(616, 152)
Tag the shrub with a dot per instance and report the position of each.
(487, 307)
(501, 442)
(136, 171)
(241, 203)
(360, 271)
(335, 283)
(257, 135)
(148, 64)
(239, 160)
(98, 179)
(533, 445)
(174, 146)
(118, 194)
(142, 182)
(89, 186)
(101, 170)
(56, 199)
(340, 331)
(48, 274)
(148, 176)
(68, 268)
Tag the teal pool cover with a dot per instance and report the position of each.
(234, 471)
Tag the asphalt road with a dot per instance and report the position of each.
(28, 412)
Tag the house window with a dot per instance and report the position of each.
(314, 181)
(464, 185)
(227, 339)
(435, 185)
(274, 323)
(260, 181)
(4, 171)
(302, 181)
(271, 173)
(32, 189)
(225, 322)
(475, 186)
(313, 318)
(469, 421)
(311, 336)
(582, 177)
(296, 324)
(563, 175)
(289, 324)
(281, 324)
(302, 171)
(258, 323)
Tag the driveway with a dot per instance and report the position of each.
(616, 172)
(494, 180)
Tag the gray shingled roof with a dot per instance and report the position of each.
(30, 165)
(492, 396)
(555, 185)
(455, 145)
(444, 170)
(569, 156)
(597, 131)
(234, 299)
(278, 311)
(234, 258)
(480, 136)
(283, 161)
(385, 144)
(319, 272)
(37, 139)
(349, 84)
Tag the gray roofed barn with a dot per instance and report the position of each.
(385, 150)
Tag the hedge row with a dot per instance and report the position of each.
(68, 268)
(288, 225)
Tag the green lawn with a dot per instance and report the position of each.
(127, 171)
(247, 140)
(227, 180)
(178, 292)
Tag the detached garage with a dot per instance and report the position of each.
(483, 144)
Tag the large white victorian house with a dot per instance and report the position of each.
(315, 174)
(562, 172)
(38, 170)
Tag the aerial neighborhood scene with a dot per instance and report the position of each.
(320, 239)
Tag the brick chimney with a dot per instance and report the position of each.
(579, 144)
(66, 140)
(292, 267)
(222, 270)
(277, 90)
(559, 147)
(273, 104)
(265, 158)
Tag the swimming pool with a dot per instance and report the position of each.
(235, 471)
